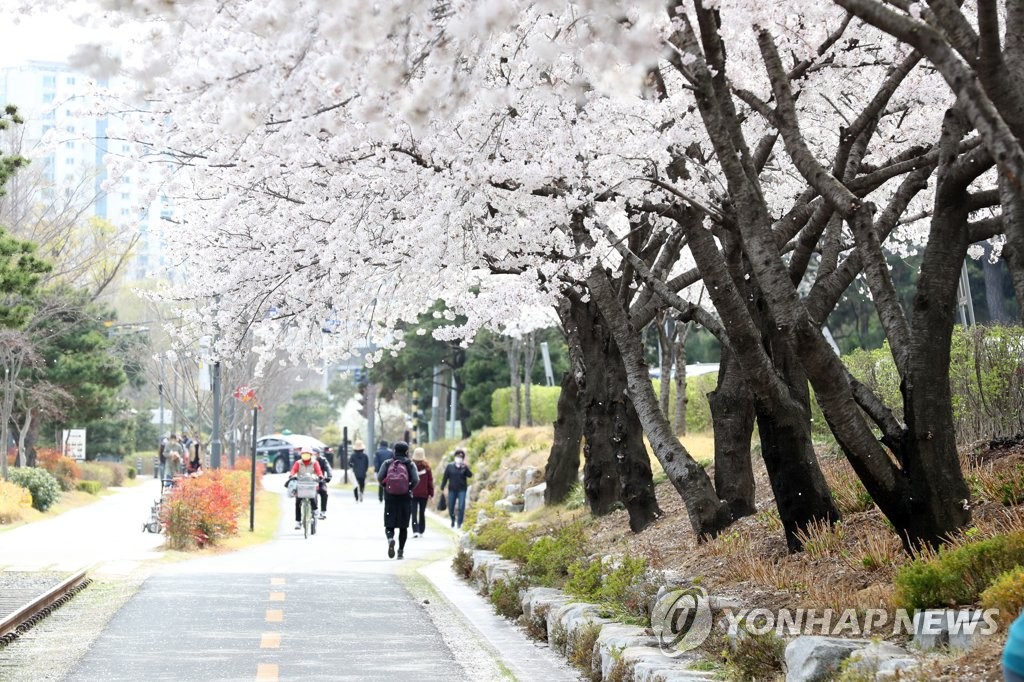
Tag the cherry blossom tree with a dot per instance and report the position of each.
(334, 164)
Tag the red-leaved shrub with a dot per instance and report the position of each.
(204, 509)
(64, 469)
(244, 464)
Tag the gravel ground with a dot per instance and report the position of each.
(48, 651)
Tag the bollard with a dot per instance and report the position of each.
(156, 467)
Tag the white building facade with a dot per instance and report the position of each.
(72, 147)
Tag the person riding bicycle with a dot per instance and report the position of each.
(306, 467)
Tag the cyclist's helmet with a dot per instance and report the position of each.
(306, 453)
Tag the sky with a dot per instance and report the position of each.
(47, 37)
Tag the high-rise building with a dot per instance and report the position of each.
(69, 144)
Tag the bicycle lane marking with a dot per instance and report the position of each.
(270, 672)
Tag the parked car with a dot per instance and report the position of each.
(279, 451)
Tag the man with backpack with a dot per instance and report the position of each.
(397, 477)
(382, 455)
(325, 467)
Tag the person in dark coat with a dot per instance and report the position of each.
(382, 455)
(398, 506)
(456, 477)
(422, 493)
(360, 463)
(325, 467)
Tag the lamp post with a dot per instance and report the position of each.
(215, 436)
(248, 397)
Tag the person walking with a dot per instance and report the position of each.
(162, 452)
(397, 478)
(360, 463)
(328, 473)
(422, 493)
(175, 454)
(456, 477)
(306, 467)
(382, 455)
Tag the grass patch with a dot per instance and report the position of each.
(267, 519)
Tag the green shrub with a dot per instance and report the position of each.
(622, 584)
(1006, 593)
(585, 579)
(462, 563)
(132, 473)
(91, 487)
(491, 534)
(505, 595)
(96, 471)
(516, 546)
(577, 498)
(550, 556)
(754, 657)
(957, 577)
(44, 488)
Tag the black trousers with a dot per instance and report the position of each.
(419, 514)
(298, 508)
(403, 535)
(323, 498)
(359, 487)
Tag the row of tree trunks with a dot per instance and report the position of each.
(594, 407)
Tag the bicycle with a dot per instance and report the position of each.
(305, 490)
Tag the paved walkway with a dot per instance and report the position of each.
(106, 534)
(331, 607)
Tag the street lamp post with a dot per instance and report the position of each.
(215, 437)
(160, 436)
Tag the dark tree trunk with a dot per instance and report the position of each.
(515, 352)
(732, 418)
(679, 423)
(707, 513)
(616, 464)
(562, 470)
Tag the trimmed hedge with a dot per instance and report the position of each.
(545, 403)
(91, 487)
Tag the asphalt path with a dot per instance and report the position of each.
(331, 607)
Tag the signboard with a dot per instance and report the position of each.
(155, 418)
(74, 443)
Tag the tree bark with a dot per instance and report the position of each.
(666, 352)
(529, 355)
(708, 514)
(680, 379)
(515, 415)
(616, 464)
(562, 470)
(732, 418)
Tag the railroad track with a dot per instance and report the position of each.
(24, 608)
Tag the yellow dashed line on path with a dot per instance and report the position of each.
(270, 640)
(275, 616)
(277, 596)
(277, 581)
(266, 672)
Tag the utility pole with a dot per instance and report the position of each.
(215, 436)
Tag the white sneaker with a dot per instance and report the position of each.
(298, 526)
